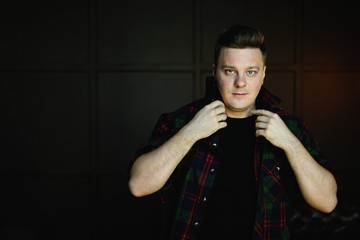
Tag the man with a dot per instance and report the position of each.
(229, 165)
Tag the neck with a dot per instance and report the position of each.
(240, 113)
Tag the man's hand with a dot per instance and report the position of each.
(208, 120)
(317, 184)
(273, 128)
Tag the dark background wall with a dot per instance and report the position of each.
(83, 82)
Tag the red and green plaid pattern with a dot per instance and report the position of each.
(197, 172)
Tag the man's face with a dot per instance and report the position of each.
(240, 74)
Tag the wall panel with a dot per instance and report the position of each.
(278, 24)
(45, 121)
(331, 34)
(47, 33)
(120, 212)
(331, 101)
(282, 85)
(150, 32)
(46, 207)
(130, 104)
(337, 111)
(82, 84)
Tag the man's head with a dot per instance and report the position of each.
(239, 68)
(239, 36)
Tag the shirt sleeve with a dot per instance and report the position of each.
(311, 144)
(301, 130)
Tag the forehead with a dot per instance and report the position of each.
(240, 56)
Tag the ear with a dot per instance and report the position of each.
(264, 73)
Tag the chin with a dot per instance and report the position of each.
(237, 105)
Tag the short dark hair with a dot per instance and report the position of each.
(240, 36)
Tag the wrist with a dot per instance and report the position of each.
(188, 135)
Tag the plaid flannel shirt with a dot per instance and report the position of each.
(190, 184)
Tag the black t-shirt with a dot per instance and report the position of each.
(231, 205)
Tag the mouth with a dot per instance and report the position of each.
(239, 94)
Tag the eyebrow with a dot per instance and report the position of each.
(230, 66)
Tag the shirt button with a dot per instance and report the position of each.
(212, 170)
(196, 223)
(278, 168)
(214, 145)
(204, 199)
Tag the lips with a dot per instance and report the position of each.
(239, 94)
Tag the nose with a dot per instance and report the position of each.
(240, 81)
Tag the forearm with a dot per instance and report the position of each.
(151, 170)
(317, 184)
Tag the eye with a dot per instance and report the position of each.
(251, 72)
(229, 71)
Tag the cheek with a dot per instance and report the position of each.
(222, 85)
(260, 82)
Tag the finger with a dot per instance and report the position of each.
(262, 112)
(216, 107)
(262, 119)
(261, 125)
(259, 132)
(222, 124)
(222, 117)
(216, 104)
(219, 111)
